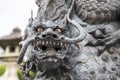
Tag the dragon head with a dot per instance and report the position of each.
(49, 43)
(48, 46)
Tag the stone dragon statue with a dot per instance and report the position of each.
(73, 40)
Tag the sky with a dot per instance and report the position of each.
(15, 13)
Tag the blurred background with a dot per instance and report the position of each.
(14, 15)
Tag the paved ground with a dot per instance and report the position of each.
(10, 73)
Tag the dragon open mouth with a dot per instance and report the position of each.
(50, 50)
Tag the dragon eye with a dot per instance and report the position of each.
(58, 30)
(39, 29)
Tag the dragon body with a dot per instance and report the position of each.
(73, 40)
(97, 11)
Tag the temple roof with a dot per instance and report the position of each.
(12, 39)
(16, 34)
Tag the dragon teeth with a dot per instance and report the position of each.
(55, 60)
(61, 44)
(65, 45)
(43, 42)
(39, 42)
(58, 43)
(54, 43)
(49, 59)
(50, 42)
(47, 42)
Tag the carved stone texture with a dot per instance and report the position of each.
(73, 40)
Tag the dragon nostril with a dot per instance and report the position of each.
(54, 36)
(44, 35)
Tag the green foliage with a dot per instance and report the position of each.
(31, 74)
(19, 74)
(2, 69)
